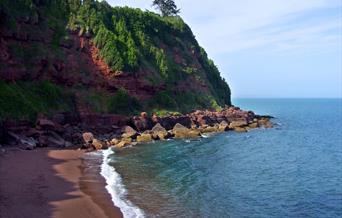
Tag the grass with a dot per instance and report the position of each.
(25, 100)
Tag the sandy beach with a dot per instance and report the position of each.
(51, 183)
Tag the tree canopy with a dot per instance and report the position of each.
(166, 7)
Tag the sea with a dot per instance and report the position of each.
(291, 170)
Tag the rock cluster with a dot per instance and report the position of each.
(190, 126)
(121, 131)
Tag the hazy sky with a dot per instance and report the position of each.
(269, 48)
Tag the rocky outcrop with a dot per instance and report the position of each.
(57, 132)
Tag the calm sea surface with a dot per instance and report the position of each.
(292, 170)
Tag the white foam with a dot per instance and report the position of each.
(117, 190)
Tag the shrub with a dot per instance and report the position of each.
(25, 100)
(123, 103)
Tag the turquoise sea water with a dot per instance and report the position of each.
(292, 170)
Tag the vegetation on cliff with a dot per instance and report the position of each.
(158, 52)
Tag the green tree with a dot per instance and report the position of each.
(166, 7)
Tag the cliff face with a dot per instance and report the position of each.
(58, 56)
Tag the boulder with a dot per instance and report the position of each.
(142, 123)
(223, 126)
(46, 124)
(98, 145)
(181, 131)
(253, 125)
(265, 122)
(143, 115)
(205, 120)
(145, 137)
(28, 143)
(55, 140)
(159, 132)
(238, 123)
(51, 139)
(88, 138)
(240, 129)
(209, 129)
(170, 121)
(124, 142)
(129, 132)
(114, 141)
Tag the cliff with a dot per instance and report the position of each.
(83, 58)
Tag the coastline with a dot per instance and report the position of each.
(51, 183)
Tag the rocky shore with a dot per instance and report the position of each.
(94, 131)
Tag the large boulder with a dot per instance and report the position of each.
(253, 125)
(124, 142)
(28, 143)
(159, 132)
(181, 131)
(144, 137)
(223, 126)
(240, 129)
(265, 122)
(205, 120)
(129, 132)
(238, 123)
(98, 145)
(170, 121)
(142, 123)
(88, 137)
(208, 129)
(114, 141)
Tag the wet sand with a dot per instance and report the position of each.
(51, 183)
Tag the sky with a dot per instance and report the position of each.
(268, 48)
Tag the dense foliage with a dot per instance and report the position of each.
(129, 40)
(25, 100)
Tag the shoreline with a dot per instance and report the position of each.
(52, 183)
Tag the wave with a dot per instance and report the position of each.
(116, 188)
